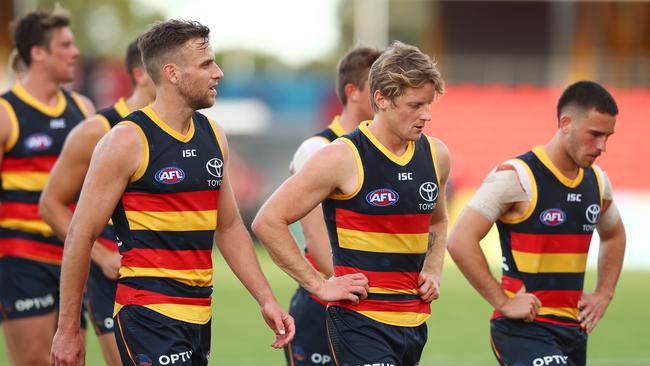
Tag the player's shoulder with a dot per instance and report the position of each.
(84, 103)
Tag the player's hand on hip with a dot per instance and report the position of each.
(68, 349)
(110, 265)
(280, 322)
(522, 306)
(592, 307)
(350, 287)
(428, 287)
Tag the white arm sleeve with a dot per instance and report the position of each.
(499, 188)
(305, 151)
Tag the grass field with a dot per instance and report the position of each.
(458, 328)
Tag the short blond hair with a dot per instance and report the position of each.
(399, 67)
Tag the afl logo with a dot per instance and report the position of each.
(38, 142)
(215, 167)
(170, 175)
(552, 217)
(429, 191)
(593, 213)
(382, 197)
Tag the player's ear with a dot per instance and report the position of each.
(381, 101)
(170, 72)
(351, 92)
(565, 123)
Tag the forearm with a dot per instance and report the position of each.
(74, 273)
(57, 215)
(284, 251)
(437, 246)
(610, 261)
(317, 240)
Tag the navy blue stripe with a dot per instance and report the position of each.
(378, 262)
(11, 233)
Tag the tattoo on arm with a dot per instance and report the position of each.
(432, 240)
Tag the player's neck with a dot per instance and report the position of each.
(387, 137)
(41, 86)
(138, 99)
(173, 110)
(349, 120)
(561, 158)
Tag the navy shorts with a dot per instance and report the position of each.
(145, 337)
(310, 345)
(517, 343)
(27, 287)
(357, 340)
(100, 300)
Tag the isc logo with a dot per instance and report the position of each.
(170, 175)
(382, 197)
(552, 217)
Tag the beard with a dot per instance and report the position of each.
(193, 97)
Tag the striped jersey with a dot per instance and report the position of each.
(167, 217)
(382, 229)
(546, 248)
(38, 132)
(110, 117)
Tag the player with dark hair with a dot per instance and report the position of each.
(36, 115)
(162, 173)
(546, 204)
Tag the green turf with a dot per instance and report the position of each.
(458, 328)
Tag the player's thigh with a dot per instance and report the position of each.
(29, 339)
(28, 288)
(516, 343)
(100, 300)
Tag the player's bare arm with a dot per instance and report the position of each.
(313, 224)
(115, 160)
(610, 261)
(503, 190)
(236, 246)
(5, 126)
(429, 278)
(332, 170)
(64, 185)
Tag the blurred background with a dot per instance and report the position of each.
(505, 64)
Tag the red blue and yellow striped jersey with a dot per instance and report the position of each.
(546, 248)
(382, 229)
(38, 132)
(167, 217)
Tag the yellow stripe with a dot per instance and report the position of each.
(360, 174)
(550, 262)
(543, 156)
(173, 220)
(30, 226)
(80, 103)
(13, 120)
(564, 312)
(104, 122)
(194, 314)
(399, 160)
(24, 181)
(213, 124)
(379, 290)
(165, 127)
(382, 242)
(121, 107)
(533, 200)
(434, 156)
(142, 168)
(190, 277)
(52, 111)
(336, 127)
(400, 319)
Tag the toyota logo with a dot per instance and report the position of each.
(215, 167)
(593, 213)
(429, 191)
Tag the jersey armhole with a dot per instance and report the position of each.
(142, 168)
(600, 178)
(80, 104)
(104, 121)
(523, 170)
(13, 121)
(434, 157)
(360, 175)
(215, 129)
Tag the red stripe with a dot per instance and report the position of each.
(108, 244)
(498, 314)
(559, 298)
(31, 249)
(30, 164)
(511, 284)
(170, 259)
(19, 210)
(166, 202)
(391, 280)
(550, 243)
(411, 306)
(399, 224)
(126, 295)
